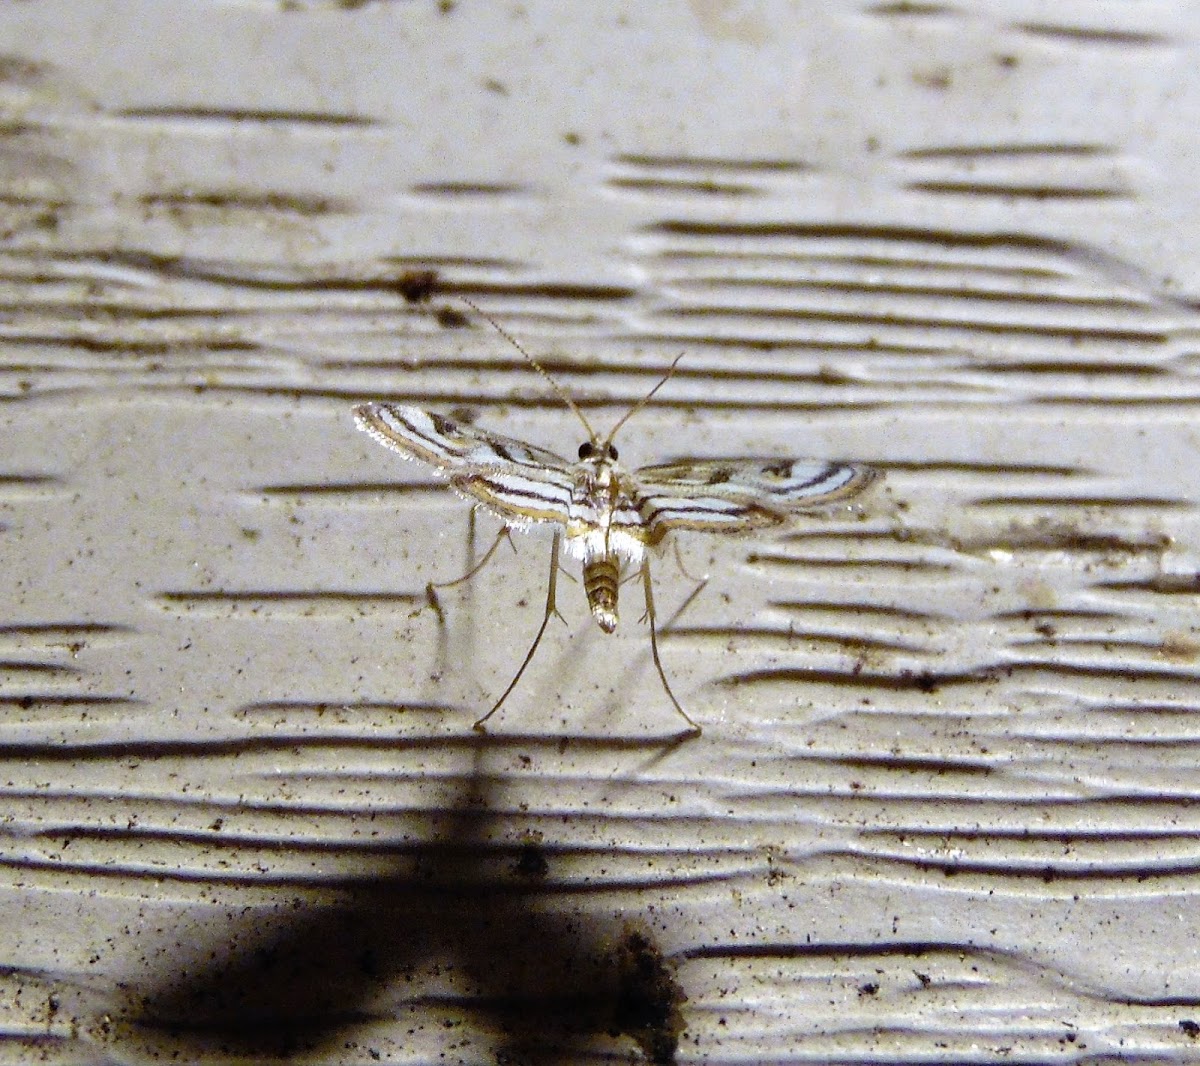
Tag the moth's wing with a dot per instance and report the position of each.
(444, 443)
(736, 495)
(792, 484)
(519, 482)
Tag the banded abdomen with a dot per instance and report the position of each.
(600, 580)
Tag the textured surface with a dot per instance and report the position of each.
(944, 805)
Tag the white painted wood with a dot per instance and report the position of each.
(944, 805)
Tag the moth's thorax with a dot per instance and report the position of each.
(597, 472)
(591, 531)
(594, 539)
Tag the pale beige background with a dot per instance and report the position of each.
(944, 808)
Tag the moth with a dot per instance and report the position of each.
(607, 516)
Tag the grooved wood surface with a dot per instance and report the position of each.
(944, 807)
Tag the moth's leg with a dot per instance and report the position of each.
(504, 534)
(687, 602)
(431, 587)
(700, 586)
(701, 581)
(649, 616)
(551, 609)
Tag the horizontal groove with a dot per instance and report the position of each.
(911, 351)
(836, 526)
(907, 566)
(240, 116)
(986, 151)
(31, 700)
(910, 764)
(1061, 614)
(419, 883)
(23, 666)
(1048, 872)
(73, 264)
(517, 402)
(468, 189)
(943, 240)
(1106, 502)
(118, 344)
(1058, 836)
(438, 742)
(1015, 191)
(465, 815)
(1175, 743)
(257, 201)
(681, 185)
(64, 629)
(964, 293)
(911, 9)
(1096, 35)
(939, 466)
(321, 707)
(1093, 370)
(857, 608)
(1164, 402)
(1077, 332)
(1108, 642)
(707, 163)
(1102, 671)
(928, 681)
(464, 847)
(788, 638)
(832, 949)
(1158, 584)
(1080, 542)
(29, 480)
(735, 258)
(351, 489)
(583, 366)
(263, 599)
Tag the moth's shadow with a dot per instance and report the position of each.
(535, 983)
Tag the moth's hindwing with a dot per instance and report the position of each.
(735, 495)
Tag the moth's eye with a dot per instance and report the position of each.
(612, 451)
(586, 451)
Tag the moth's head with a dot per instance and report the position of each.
(595, 451)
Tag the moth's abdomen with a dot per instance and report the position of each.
(600, 579)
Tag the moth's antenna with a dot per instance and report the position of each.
(559, 391)
(643, 401)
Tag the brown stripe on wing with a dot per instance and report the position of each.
(704, 514)
(513, 496)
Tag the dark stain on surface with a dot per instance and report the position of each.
(649, 999)
(452, 318)
(417, 286)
